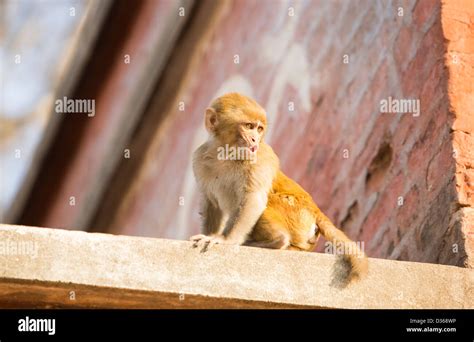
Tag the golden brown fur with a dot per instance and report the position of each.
(252, 202)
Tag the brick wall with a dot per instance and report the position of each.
(457, 20)
(389, 179)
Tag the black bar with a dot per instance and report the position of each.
(310, 325)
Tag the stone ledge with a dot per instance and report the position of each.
(108, 271)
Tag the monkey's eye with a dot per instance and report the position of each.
(249, 125)
(260, 129)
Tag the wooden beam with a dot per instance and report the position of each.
(69, 70)
(86, 150)
(182, 63)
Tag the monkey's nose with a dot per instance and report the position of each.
(253, 139)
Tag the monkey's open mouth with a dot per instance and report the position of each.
(253, 149)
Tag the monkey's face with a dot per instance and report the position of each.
(236, 120)
(250, 133)
(240, 130)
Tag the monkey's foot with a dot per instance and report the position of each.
(205, 242)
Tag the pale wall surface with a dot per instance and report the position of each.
(106, 271)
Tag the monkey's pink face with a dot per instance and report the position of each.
(250, 134)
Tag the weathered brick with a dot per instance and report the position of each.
(409, 210)
(440, 168)
(424, 11)
(430, 52)
(405, 47)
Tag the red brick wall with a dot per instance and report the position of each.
(357, 163)
(457, 20)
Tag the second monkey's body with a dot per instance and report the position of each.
(250, 201)
(291, 207)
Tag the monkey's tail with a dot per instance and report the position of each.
(354, 264)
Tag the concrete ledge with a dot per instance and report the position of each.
(107, 271)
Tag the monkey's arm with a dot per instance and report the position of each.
(212, 218)
(243, 219)
(237, 228)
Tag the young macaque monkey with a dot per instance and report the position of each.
(246, 199)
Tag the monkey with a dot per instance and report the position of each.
(247, 200)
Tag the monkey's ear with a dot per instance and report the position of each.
(210, 120)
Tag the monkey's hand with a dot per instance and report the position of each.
(207, 241)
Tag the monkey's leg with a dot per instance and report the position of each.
(269, 232)
(280, 241)
(295, 248)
